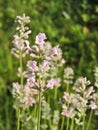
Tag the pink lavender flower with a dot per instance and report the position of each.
(68, 75)
(56, 56)
(27, 45)
(31, 78)
(25, 35)
(68, 97)
(88, 93)
(57, 82)
(80, 84)
(28, 98)
(45, 63)
(53, 82)
(20, 73)
(32, 66)
(22, 19)
(54, 50)
(25, 96)
(44, 68)
(93, 105)
(40, 38)
(68, 112)
(16, 88)
(29, 101)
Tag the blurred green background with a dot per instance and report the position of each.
(73, 24)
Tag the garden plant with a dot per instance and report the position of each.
(46, 95)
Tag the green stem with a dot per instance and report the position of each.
(45, 122)
(39, 111)
(34, 112)
(7, 113)
(72, 124)
(55, 95)
(67, 123)
(49, 121)
(22, 123)
(18, 120)
(83, 126)
(76, 127)
(62, 125)
(67, 89)
(89, 120)
(50, 124)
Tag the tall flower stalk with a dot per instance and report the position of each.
(21, 84)
(85, 97)
(68, 80)
(20, 43)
